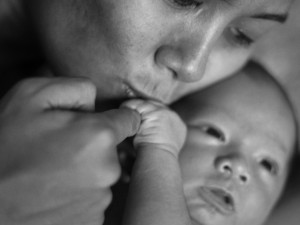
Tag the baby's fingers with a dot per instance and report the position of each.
(142, 106)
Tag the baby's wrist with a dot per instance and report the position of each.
(155, 148)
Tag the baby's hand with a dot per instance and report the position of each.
(161, 128)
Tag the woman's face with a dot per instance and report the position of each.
(158, 49)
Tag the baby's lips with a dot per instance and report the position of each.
(219, 198)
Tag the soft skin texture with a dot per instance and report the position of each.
(52, 169)
(158, 48)
(160, 126)
(156, 195)
(241, 137)
(153, 46)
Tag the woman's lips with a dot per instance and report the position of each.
(129, 92)
(134, 93)
(219, 199)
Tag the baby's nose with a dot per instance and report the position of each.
(234, 167)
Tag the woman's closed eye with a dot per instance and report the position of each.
(240, 37)
(214, 132)
(187, 3)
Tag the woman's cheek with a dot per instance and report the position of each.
(225, 61)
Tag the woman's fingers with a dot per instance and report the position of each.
(52, 93)
(57, 153)
(123, 122)
(68, 93)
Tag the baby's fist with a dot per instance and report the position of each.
(161, 128)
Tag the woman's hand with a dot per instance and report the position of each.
(58, 157)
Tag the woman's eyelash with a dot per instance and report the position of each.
(270, 166)
(188, 3)
(241, 38)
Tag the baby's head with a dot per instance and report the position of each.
(241, 137)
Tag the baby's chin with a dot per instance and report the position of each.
(206, 215)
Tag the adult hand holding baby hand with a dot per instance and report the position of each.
(58, 157)
(161, 128)
(156, 184)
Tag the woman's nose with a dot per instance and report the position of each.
(186, 59)
(233, 167)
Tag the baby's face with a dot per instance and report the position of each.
(235, 161)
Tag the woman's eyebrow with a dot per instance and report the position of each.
(280, 18)
(277, 17)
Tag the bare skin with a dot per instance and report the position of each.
(233, 147)
(156, 194)
(62, 134)
(126, 49)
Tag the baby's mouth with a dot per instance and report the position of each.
(219, 199)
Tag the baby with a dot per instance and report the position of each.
(240, 138)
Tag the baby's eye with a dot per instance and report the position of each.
(214, 132)
(270, 166)
(187, 3)
(240, 37)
